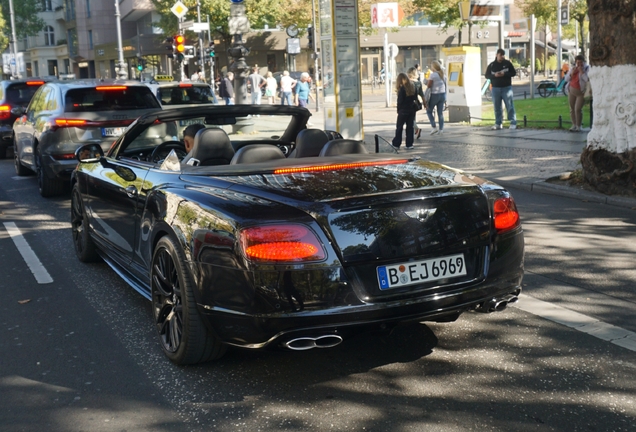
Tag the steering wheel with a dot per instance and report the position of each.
(162, 150)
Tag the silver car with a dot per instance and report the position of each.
(63, 116)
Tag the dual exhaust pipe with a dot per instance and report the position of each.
(308, 342)
(497, 304)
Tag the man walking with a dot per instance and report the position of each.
(287, 84)
(256, 82)
(500, 73)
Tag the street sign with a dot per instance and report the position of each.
(565, 14)
(12, 62)
(179, 9)
(201, 27)
(393, 50)
(187, 24)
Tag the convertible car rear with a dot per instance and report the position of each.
(238, 244)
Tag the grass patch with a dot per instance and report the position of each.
(541, 113)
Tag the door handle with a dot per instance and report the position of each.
(131, 191)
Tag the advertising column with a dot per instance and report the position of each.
(339, 43)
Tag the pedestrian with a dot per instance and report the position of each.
(226, 89)
(303, 91)
(270, 89)
(287, 85)
(256, 82)
(196, 76)
(413, 75)
(500, 73)
(418, 69)
(405, 110)
(577, 82)
(437, 83)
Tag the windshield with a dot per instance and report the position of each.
(19, 93)
(180, 95)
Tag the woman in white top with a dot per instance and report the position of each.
(270, 88)
(437, 84)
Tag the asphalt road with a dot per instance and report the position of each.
(79, 353)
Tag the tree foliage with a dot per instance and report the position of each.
(27, 21)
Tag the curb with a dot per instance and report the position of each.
(565, 191)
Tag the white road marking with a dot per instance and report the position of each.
(41, 275)
(583, 323)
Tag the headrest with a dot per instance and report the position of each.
(309, 142)
(255, 153)
(212, 147)
(343, 146)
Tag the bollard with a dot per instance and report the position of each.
(524, 94)
(560, 122)
(525, 121)
(377, 144)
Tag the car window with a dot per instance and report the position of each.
(115, 98)
(179, 95)
(37, 102)
(20, 93)
(51, 100)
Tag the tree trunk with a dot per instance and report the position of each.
(581, 47)
(470, 33)
(610, 155)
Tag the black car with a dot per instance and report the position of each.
(64, 115)
(14, 94)
(237, 244)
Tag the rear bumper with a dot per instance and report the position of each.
(61, 169)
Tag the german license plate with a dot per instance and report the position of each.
(191, 122)
(417, 272)
(113, 131)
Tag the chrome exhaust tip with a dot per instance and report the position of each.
(307, 343)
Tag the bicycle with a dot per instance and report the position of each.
(550, 88)
(523, 72)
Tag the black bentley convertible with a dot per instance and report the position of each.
(271, 234)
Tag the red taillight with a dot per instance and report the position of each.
(506, 215)
(107, 88)
(5, 112)
(185, 85)
(288, 243)
(69, 122)
(63, 156)
(37, 83)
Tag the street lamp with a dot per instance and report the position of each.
(122, 73)
(14, 72)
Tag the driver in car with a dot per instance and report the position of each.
(188, 135)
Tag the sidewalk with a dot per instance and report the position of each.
(521, 158)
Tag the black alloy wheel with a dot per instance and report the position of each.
(182, 333)
(85, 248)
(20, 169)
(47, 187)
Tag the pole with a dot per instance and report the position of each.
(181, 69)
(202, 67)
(533, 22)
(122, 73)
(559, 42)
(315, 53)
(15, 73)
(387, 90)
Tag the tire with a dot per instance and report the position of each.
(20, 169)
(47, 187)
(183, 336)
(544, 91)
(85, 248)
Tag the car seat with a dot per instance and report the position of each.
(309, 142)
(255, 153)
(343, 146)
(211, 147)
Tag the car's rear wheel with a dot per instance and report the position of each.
(48, 187)
(182, 333)
(85, 248)
(20, 169)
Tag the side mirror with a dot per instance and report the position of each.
(89, 153)
(18, 111)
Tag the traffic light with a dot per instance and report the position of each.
(310, 38)
(141, 64)
(179, 47)
(170, 47)
(210, 49)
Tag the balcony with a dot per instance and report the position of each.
(60, 13)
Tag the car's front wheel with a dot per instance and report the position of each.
(182, 333)
(84, 246)
(48, 187)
